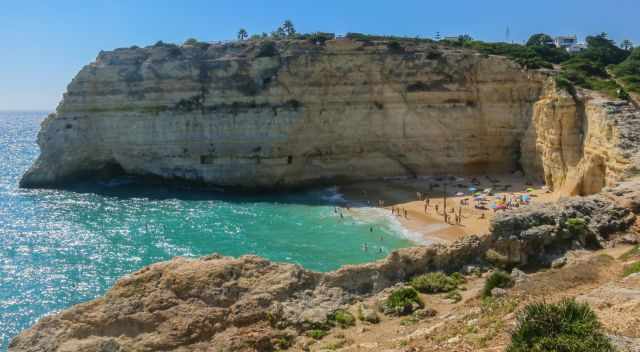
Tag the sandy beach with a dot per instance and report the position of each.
(402, 195)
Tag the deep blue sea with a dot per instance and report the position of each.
(59, 248)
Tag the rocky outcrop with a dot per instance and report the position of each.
(251, 304)
(539, 233)
(294, 112)
(579, 144)
(287, 113)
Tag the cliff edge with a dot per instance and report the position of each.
(288, 113)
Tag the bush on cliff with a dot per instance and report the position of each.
(435, 283)
(342, 318)
(628, 71)
(402, 301)
(498, 279)
(566, 326)
(632, 269)
(576, 226)
(267, 48)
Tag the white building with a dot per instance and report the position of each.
(569, 43)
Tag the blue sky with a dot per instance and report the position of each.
(43, 44)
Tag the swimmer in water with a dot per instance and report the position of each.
(365, 247)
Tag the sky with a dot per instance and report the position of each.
(43, 44)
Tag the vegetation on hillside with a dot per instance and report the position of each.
(436, 282)
(566, 326)
(498, 279)
(628, 71)
(601, 66)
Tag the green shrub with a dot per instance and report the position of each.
(267, 48)
(191, 41)
(628, 71)
(317, 334)
(496, 279)
(576, 226)
(563, 83)
(434, 283)
(402, 300)
(632, 269)
(455, 296)
(343, 318)
(567, 326)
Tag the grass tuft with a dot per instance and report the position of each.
(436, 282)
(566, 326)
(496, 279)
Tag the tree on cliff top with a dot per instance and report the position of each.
(288, 28)
(540, 39)
(242, 34)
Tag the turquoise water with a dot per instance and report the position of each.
(59, 248)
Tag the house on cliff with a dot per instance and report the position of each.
(569, 43)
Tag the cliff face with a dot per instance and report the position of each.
(578, 145)
(251, 114)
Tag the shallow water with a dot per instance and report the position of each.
(59, 248)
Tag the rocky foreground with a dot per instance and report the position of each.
(244, 304)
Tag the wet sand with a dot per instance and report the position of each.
(401, 193)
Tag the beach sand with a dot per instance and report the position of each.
(401, 193)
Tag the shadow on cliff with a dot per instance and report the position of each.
(128, 187)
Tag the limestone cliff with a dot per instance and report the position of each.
(580, 144)
(265, 114)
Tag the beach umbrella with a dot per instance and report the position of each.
(459, 194)
(472, 189)
(479, 198)
(487, 190)
(530, 189)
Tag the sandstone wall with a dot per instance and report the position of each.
(578, 145)
(240, 115)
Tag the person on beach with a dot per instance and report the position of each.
(426, 207)
(419, 195)
(436, 208)
(406, 214)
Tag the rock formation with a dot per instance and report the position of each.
(288, 113)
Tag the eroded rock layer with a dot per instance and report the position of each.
(262, 115)
(580, 144)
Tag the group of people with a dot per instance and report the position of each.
(400, 212)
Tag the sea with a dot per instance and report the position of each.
(63, 247)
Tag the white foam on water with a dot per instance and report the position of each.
(370, 214)
(332, 195)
